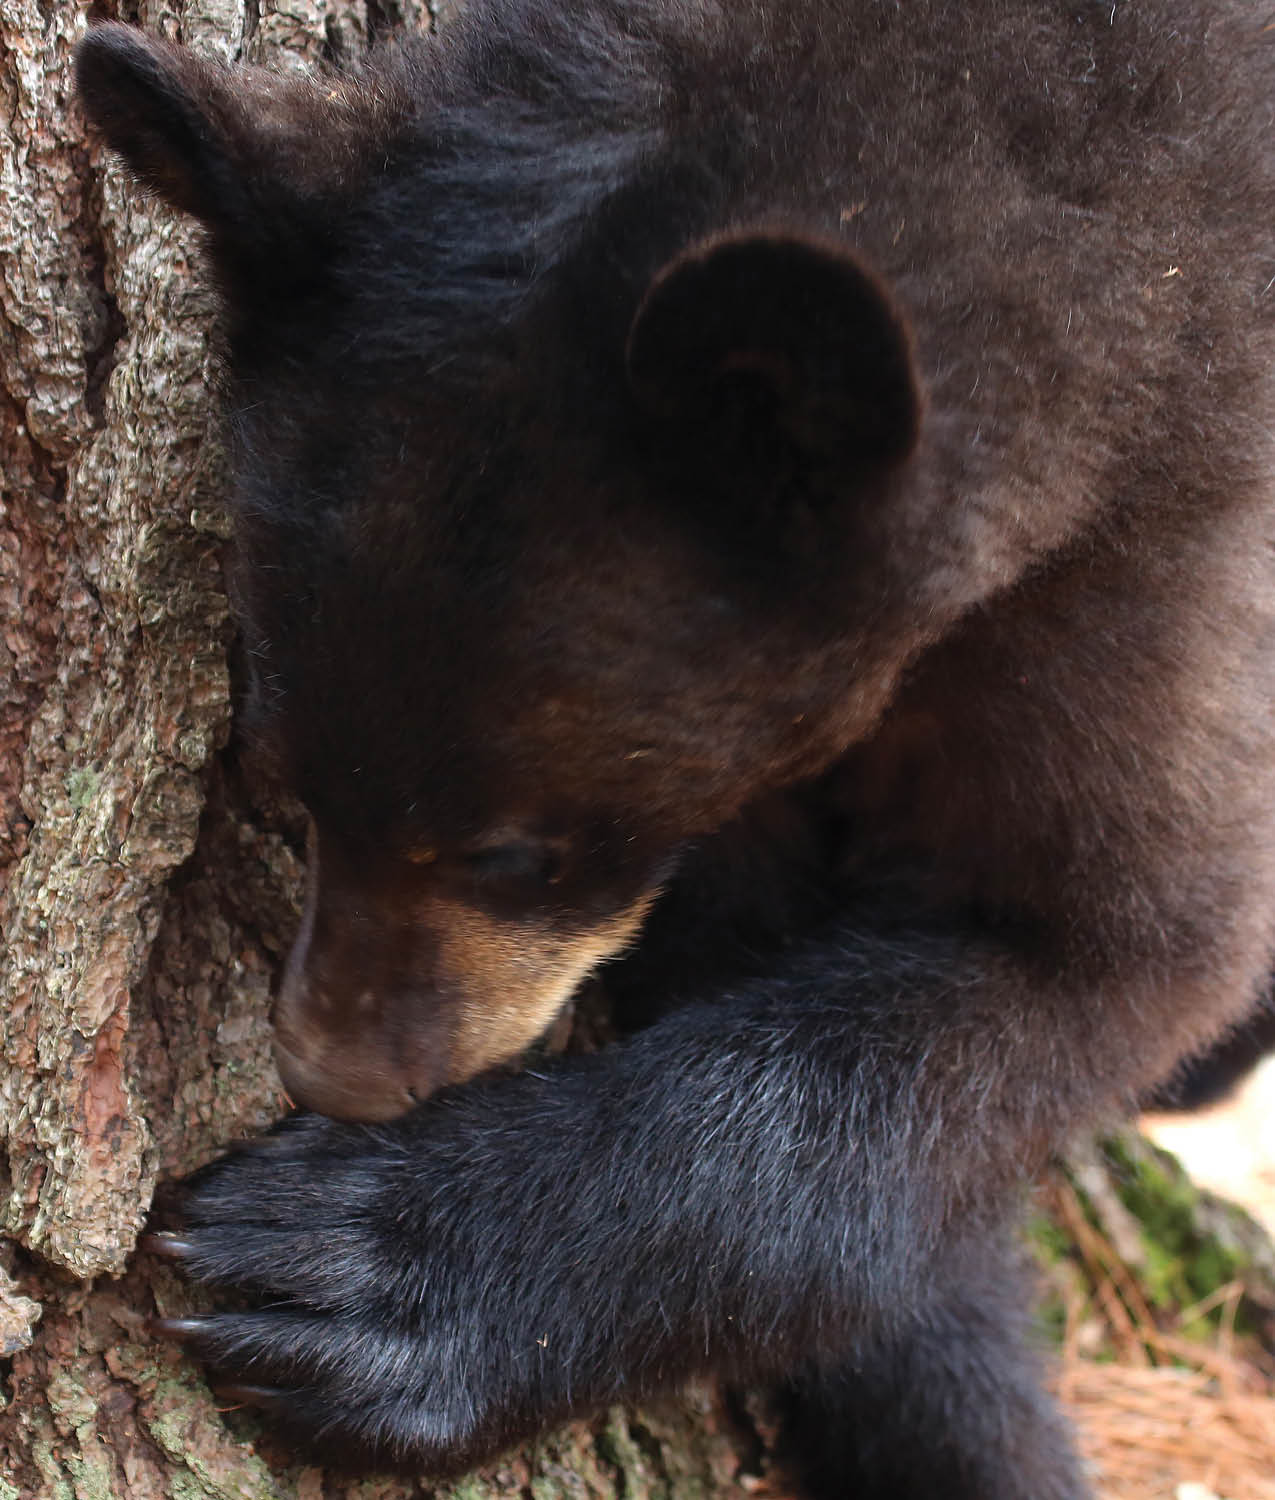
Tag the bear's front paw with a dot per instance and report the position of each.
(367, 1323)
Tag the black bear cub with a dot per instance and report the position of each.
(776, 498)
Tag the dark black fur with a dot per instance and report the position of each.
(811, 461)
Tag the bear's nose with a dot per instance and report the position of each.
(348, 1086)
(357, 1050)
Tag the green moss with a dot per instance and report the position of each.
(1050, 1320)
(543, 1487)
(172, 1416)
(185, 1486)
(68, 1399)
(81, 786)
(1180, 1243)
(185, 1425)
(684, 1464)
(1060, 1281)
(1189, 1254)
(92, 1475)
(90, 1468)
(1048, 1241)
(43, 1456)
(616, 1446)
(471, 1488)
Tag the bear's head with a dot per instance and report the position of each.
(573, 512)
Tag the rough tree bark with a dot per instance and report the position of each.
(147, 888)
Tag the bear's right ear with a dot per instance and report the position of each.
(248, 152)
(773, 331)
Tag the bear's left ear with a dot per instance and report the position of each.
(772, 329)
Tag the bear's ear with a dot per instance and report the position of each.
(172, 116)
(772, 330)
(250, 153)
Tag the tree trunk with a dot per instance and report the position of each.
(147, 888)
